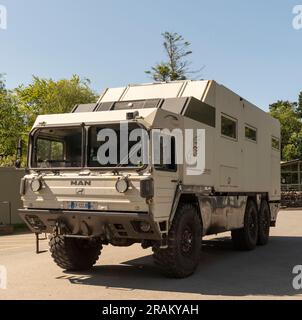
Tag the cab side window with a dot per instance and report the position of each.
(163, 165)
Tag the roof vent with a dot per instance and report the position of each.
(89, 107)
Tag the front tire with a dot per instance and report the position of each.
(247, 237)
(74, 254)
(182, 256)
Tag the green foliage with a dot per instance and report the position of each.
(177, 67)
(161, 72)
(46, 96)
(291, 128)
(20, 107)
(300, 105)
(2, 83)
(10, 126)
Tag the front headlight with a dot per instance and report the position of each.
(122, 185)
(36, 185)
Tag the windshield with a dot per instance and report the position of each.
(117, 145)
(57, 148)
(108, 146)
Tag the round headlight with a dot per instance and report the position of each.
(36, 185)
(122, 185)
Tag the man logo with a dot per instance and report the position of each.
(3, 277)
(80, 183)
(3, 17)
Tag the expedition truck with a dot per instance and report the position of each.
(85, 204)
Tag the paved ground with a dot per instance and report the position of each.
(128, 273)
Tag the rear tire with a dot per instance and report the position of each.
(74, 254)
(247, 237)
(264, 221)
(182, 256)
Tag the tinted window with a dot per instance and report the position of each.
(275, 143)
(57, 148)
(251, 133)
(53, 150)
(228, 127)
(167, 166)
(202, 112)
(122, 153)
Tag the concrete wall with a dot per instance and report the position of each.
(10, 200)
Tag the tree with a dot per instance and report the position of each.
(20, 107)
(291, 128)
(300, 104)
(2, 83)
(177, 67)
(46, 96)
(11, 125)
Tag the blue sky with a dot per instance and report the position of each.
(249, 46)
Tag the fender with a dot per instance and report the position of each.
(194, 191)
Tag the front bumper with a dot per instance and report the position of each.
(113, 225)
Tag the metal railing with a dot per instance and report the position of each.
(291, 198)
(291, 187)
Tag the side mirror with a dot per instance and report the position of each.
(18, 164)
(19, 154)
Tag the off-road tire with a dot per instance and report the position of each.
(74, 254)
(182, 256)
(264, 221)
(247, 237)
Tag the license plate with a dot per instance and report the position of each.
(75, 205)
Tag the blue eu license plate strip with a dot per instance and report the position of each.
(75, 205)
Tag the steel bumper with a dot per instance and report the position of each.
(91, 223)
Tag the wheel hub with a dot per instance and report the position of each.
(187, 241)
(252, 225)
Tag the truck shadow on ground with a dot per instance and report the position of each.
(222, 271)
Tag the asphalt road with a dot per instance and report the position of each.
(128, 273)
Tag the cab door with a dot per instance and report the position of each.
(166, 178)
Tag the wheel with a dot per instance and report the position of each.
(182, 256)
(74, 254)
(247, 237)
(264, 221)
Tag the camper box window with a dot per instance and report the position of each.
(250, 133)
(228, 127)
(275, 143)
(202, 112)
